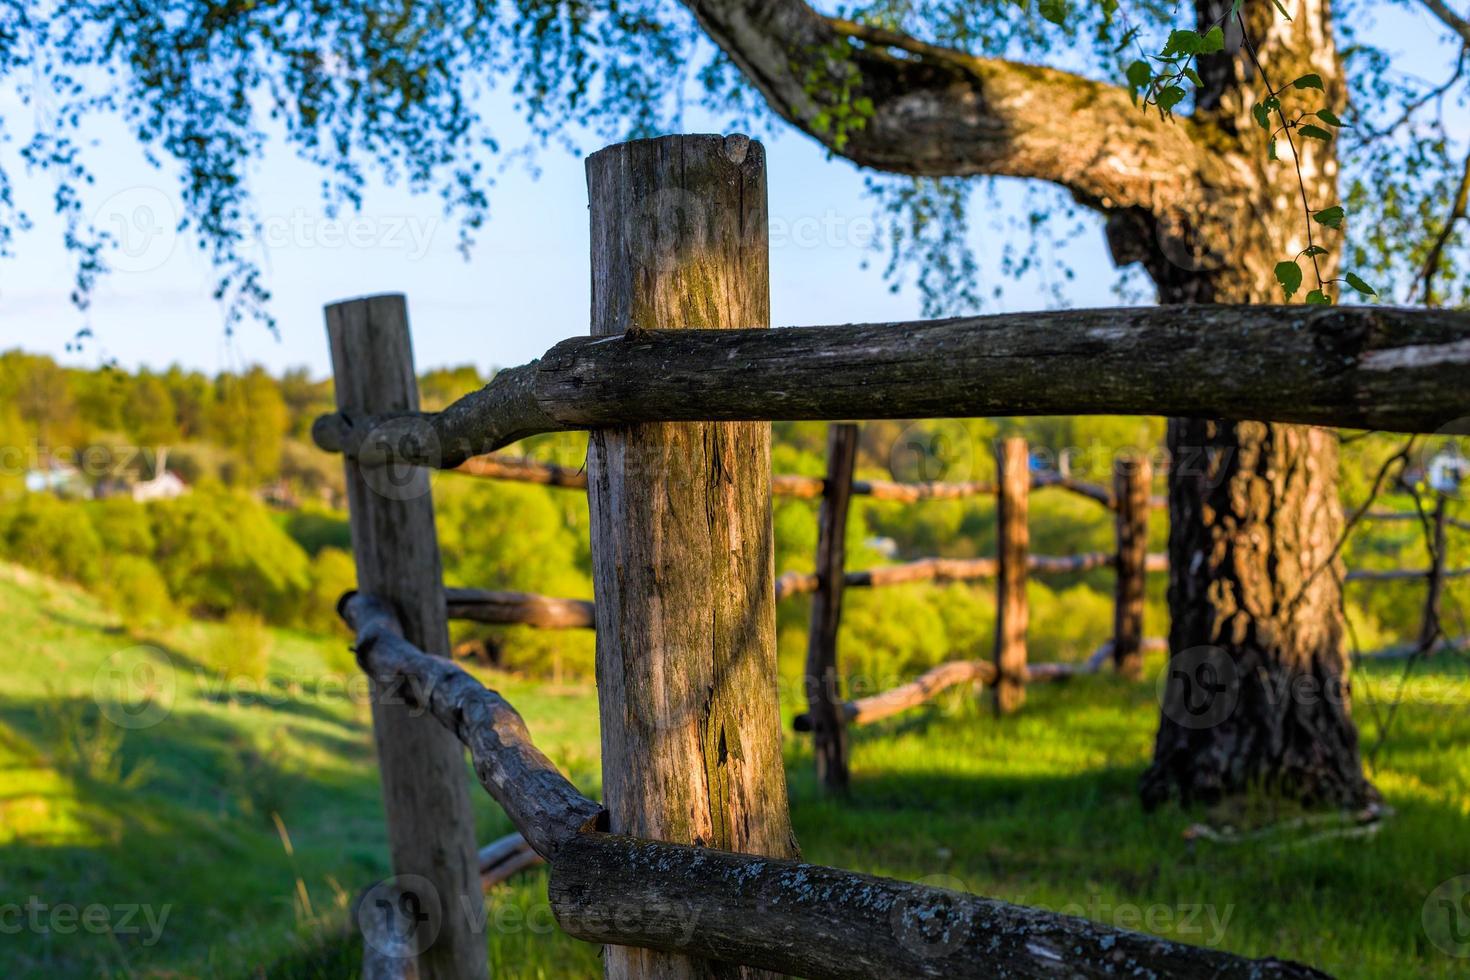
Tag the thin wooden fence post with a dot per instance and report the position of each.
(431, 827)
(1429, 626)
(683, 566)
(1013, 540)
(823, 690)
(1131, 479)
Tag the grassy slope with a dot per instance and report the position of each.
(1039, 809)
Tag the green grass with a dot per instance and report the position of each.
(1039, 808)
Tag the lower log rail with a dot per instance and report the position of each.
(518, 608)
(794, 918)
(506, 857)
(923, 688)
(828, 924)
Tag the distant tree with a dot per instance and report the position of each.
(250, 417)
(149, 413)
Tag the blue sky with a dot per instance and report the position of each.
(524, 287)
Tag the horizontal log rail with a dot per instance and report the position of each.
(923, 688)
(518, 608)
(523, 469)
(1409, 515)
(956, 570)
(1360, 367)
(1400, 574)
(506, 857)
(506, 608)
(806, 920)
(788, 916)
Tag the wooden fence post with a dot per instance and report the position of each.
(1131, 479)
(1429, 626)
(431, 827)
(683, 566)
(1013, 540)
(823, 690)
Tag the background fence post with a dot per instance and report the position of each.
(1429, 626)
(1132, 476)
(823, 690)
(431, 828)
(1013, 540)
(682, 557)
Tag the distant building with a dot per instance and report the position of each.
(56, 477)
(166, 486)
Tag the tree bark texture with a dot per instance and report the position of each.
(1257, 694)
(683, 567)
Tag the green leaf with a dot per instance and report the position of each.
(1309, 81)
(1193, 76)
(1169, 97)
(1054, 11)
(1318, 298)
(1271, 151)
(1289, 274)
(1331, 217)
(1214, 41)
(1262, 114)
(1315, 132)
(1183, 41)
(1282, 7)
(1312, 250)
(1360, 285)
(1140, 73)
(1329, 117)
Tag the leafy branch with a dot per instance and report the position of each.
(1159, 83)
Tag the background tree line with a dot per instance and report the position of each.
(262, 529)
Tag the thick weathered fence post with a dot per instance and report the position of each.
(823, 690)
(1429, 626)
(431, 828)
(1131, 478)
(1013, 541)
(683, 567)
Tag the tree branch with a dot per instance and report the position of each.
(941, 112)
(1458, 207)
(1460, 25)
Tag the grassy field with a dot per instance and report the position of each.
(226, 838)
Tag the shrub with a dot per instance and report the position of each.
(53, 537)
(222, 551)
(240, 647)
(123, 526)
(137, 592)
(332, 573)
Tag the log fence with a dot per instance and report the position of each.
(688, 867)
